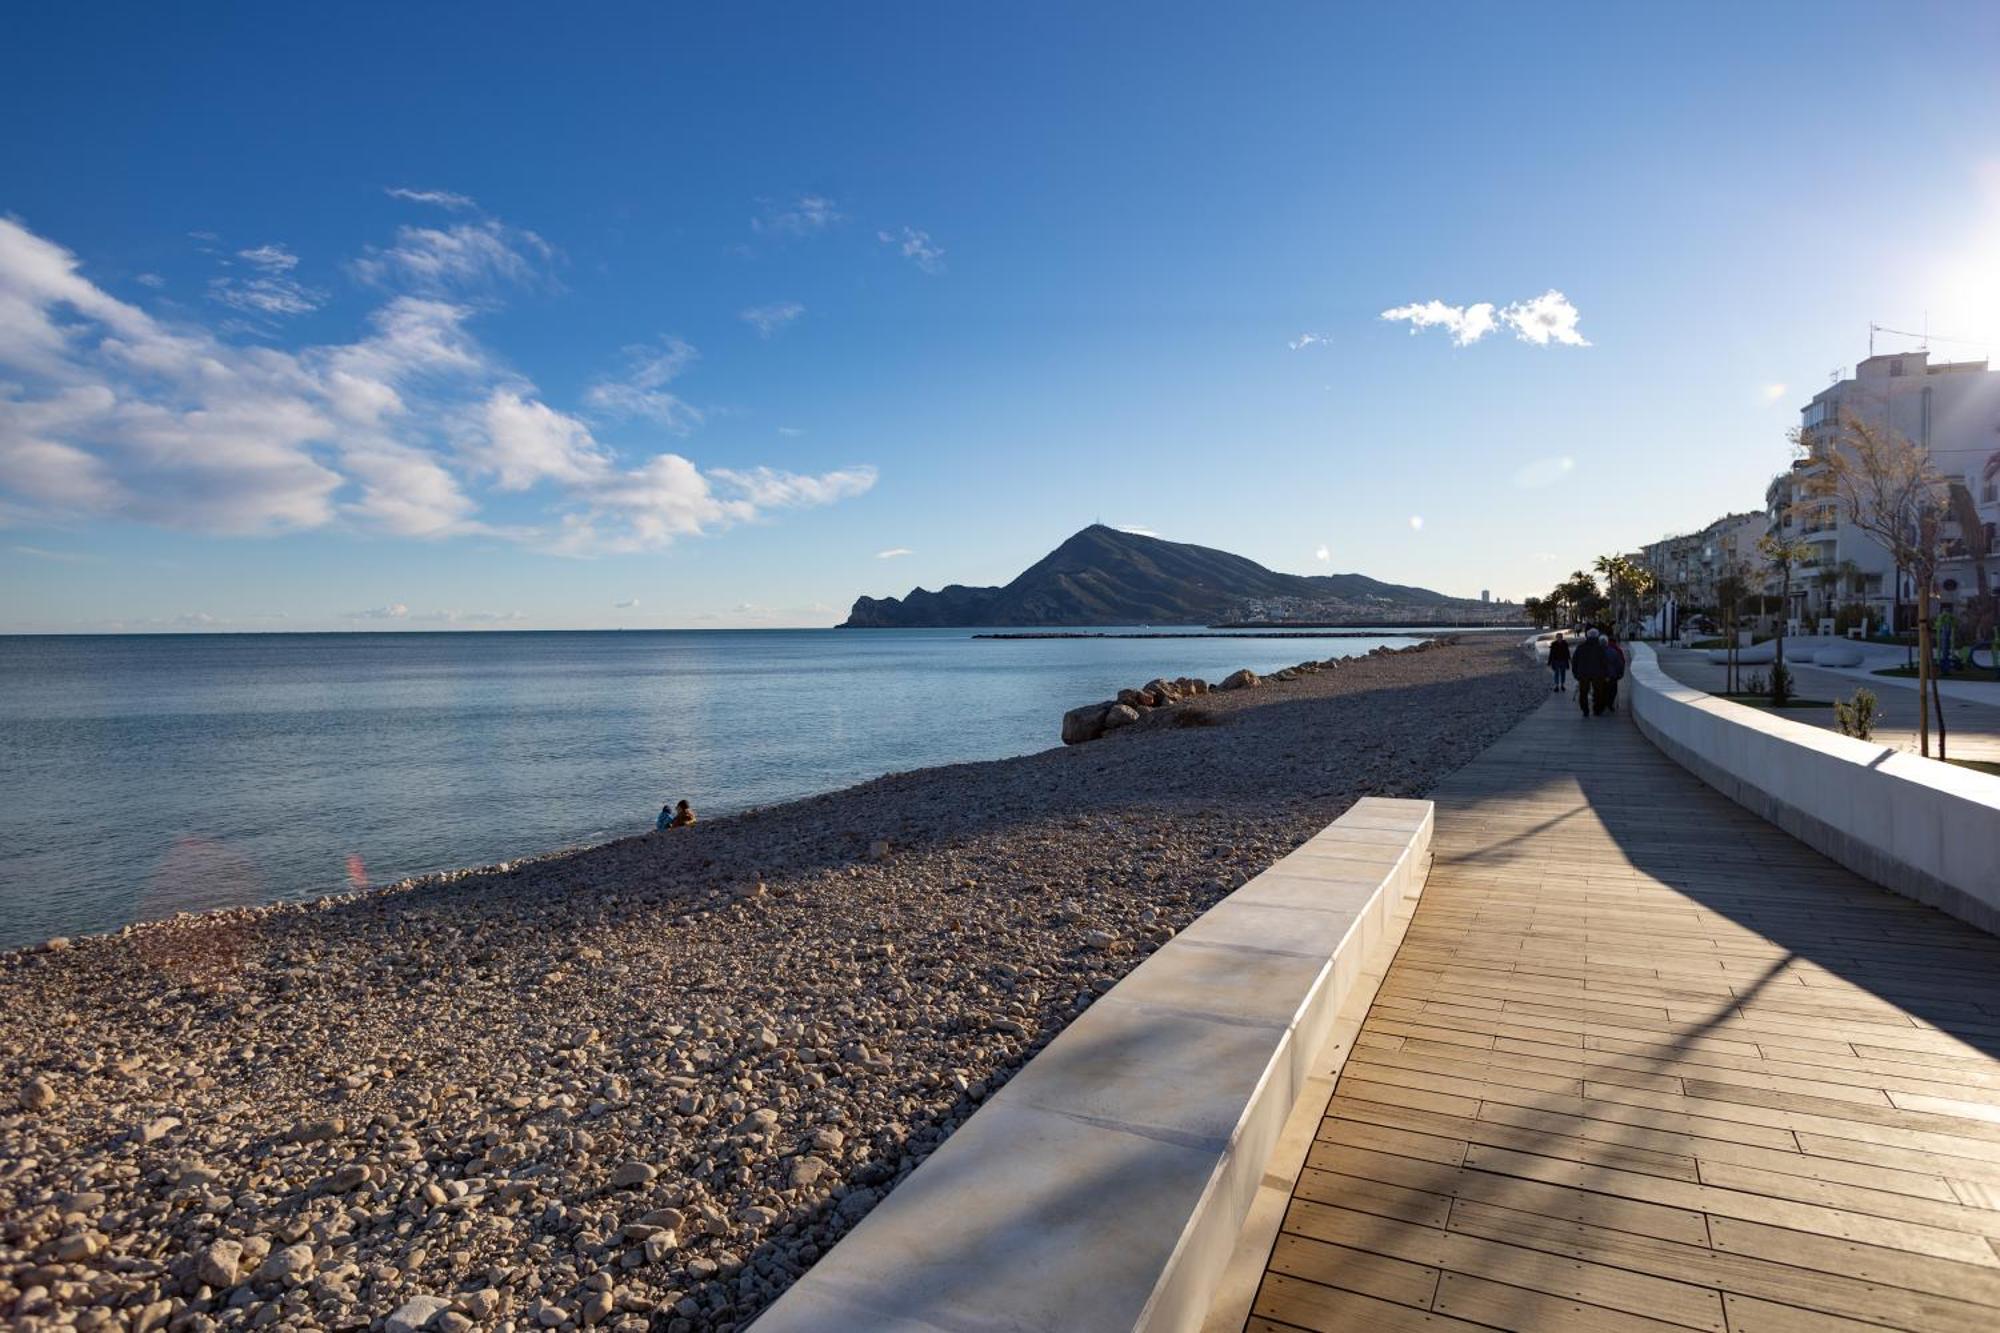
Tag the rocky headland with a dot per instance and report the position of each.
(645, 1084)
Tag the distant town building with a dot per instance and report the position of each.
(1690, 567)
(1485, 595)
(1952, 410)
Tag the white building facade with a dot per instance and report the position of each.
(1950, 409)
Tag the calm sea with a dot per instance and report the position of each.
(140, 776)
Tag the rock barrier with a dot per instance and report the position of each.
(1090, 721)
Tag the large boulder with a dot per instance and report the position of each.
(1163, 691)
(1085, 723)
(1134, 699)
(1120, 715)
(1238, 680)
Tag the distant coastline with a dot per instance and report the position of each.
(1230, 632)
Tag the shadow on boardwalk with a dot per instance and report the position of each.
(1644, 1061)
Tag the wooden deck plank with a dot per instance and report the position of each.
(1644, 1062)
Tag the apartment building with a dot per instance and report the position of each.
(1952, 410)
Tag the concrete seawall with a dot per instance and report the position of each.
(1105, 1186)
(1917, 827)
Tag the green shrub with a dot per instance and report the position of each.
(1857, 715)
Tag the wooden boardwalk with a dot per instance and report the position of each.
(1645, 1062)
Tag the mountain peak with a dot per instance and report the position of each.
(1103, 575)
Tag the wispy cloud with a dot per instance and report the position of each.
(1544, 472)
(1137, 529)
(915, 246)
(1305, 340)
(270, 289)
(894, 553)
(1322, 554)
(153, 280)
(641, 390)
(808, 214)
(790, 432)
(769, 488)
(768, 319)
(1548, 318)
(437, 198)
(107, 412)
(393, 611)
(1416, 523)
(271, 258)
(57, 557)
(466, 256)
(625, 605)
(1772, 393)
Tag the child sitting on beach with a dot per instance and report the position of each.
(683, 816)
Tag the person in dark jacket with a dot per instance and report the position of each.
(1589, 665)
(1614, 671)
(1559, 661)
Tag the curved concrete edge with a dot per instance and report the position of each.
(1916, 827)
(1103, 1188)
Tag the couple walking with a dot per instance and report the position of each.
(1598, 664)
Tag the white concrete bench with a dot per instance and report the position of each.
(1103, 1187)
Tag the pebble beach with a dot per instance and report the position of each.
(646, 1084)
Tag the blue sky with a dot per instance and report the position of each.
(517, 315)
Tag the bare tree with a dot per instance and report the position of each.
(1730, 591)
(1887, 487)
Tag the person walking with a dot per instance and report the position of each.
(1559, 661)
(1614, 671)
(1589, 666)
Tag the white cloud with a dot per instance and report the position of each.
(1137, 529)
(625, 605)
(768, 319)
(465, 256)
(894, 553)
(641, 392)
(1772, 393)
(790, 432)
(1548, 318)
(107, 412)
(811, 213)
(1305, 340)
(915, 246)
(1543, 472)
(1416, 522)
(1466, 324)
(439, 198)
(150, 280)
(522, 442)
(393, 611)
(1322, 555)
